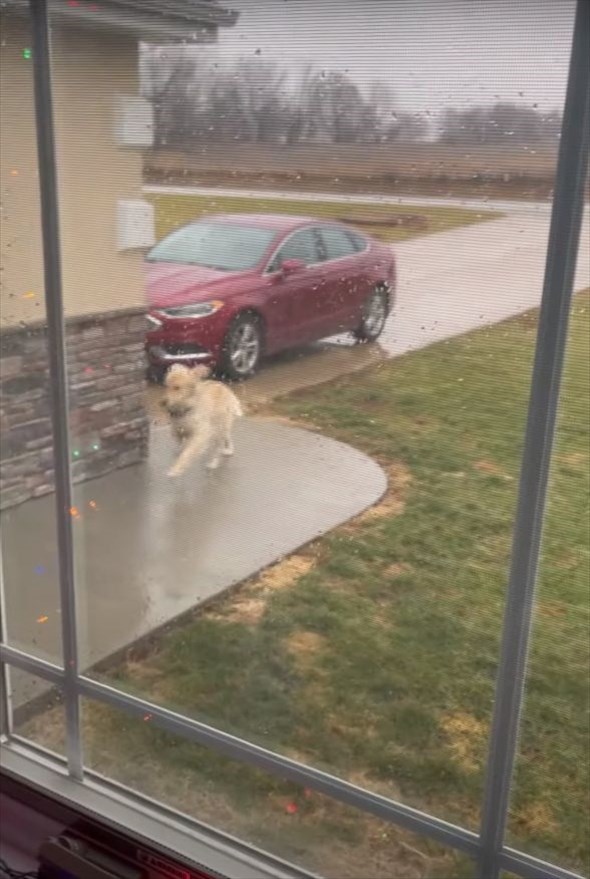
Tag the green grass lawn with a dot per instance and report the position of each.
(174, 210)
(373, 651)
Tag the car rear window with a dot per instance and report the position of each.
(358, 242)
(337, 243)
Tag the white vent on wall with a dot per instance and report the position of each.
(135, 224)
(134, 122)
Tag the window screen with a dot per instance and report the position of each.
(273, 543)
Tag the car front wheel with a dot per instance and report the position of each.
(242, 347)
(373, 317)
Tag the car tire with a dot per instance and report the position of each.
(374, 315)
(242, 347)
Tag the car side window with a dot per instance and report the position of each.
(301, 245)
(358, 242)
(337, 243)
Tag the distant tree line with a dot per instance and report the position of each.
(498, 124)
(200, 100)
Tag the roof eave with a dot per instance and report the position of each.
(205, 19)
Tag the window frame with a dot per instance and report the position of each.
(73, 783)
(269, 270)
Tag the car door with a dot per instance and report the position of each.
(345, 281)
(293, 312)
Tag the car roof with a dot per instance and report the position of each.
(280, 222)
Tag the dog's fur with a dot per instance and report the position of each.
(201, 413)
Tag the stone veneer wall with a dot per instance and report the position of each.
(108, 421)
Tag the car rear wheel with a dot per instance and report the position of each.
(242, 347)
(373, 316)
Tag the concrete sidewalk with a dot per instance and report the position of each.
(149, 548)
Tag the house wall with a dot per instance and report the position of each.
(21, 267)
(90, 69)
(103, 288)
(108, 423)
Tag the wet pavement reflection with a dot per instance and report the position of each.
(149, 548)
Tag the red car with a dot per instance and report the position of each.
(227, 289)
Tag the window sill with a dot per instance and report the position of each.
(139, 818)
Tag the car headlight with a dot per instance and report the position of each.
(198, 309)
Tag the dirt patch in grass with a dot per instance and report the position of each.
(551, 608)
(248, 604)
(393, 501)
(303, 645)
(244, 610)
(574, 459)
(466, 736)
(491, 469)
(536, 819)
(396, 569)
(285, 573)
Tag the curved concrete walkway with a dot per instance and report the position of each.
(150, 548)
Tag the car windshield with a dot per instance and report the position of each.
(224, 246)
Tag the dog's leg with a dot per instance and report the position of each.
(216, 450)
(213, 464)
(191, 450)
(228, 446)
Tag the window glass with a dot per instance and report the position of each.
(550, 798)
(222, 246)
(292, 515)
(337, 243)
(38, 711)
(358, 241)
(285, 819)
(302, 245)
(27, 502)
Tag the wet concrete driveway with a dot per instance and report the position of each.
(149, 548)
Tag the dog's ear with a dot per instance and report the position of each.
(201, 372)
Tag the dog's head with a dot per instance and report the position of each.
(180, 385)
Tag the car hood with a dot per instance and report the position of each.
(178, 284)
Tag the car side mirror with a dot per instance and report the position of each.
(290, 266)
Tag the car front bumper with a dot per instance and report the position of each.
(184, 341)
(161, 355)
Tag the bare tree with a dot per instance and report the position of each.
(261, 87)
(202, 98)
(406, 127)
(335, 108)
(168, 80)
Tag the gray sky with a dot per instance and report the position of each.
(432, 52)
